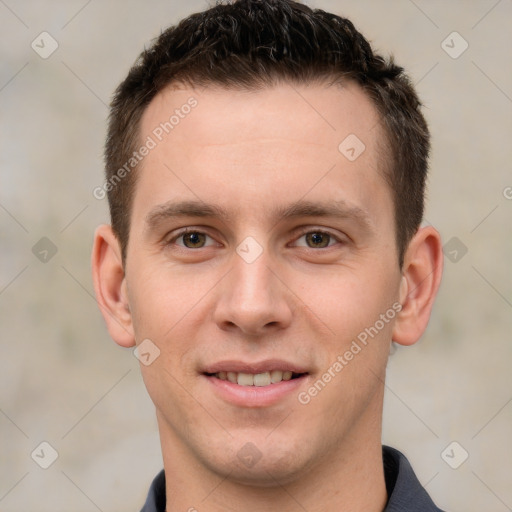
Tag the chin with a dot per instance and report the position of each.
(259, 463)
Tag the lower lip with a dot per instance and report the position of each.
(255, 396)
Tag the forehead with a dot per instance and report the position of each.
(306, 113)
(248, 145)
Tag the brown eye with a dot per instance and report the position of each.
(193, 240)
(317, 239)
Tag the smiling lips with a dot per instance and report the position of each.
(255, 385)
(258, 379)
(260, 374)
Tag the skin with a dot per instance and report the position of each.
(252, 153)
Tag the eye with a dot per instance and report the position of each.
(192, 239)
(316, 239)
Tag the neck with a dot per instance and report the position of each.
(349, 479)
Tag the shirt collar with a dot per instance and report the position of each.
(404, 489)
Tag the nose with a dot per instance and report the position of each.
(253, 298)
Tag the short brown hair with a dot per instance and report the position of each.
(249, 44)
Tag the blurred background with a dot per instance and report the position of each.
(65, 384)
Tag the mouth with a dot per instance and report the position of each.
(255, 384)
(261, 379)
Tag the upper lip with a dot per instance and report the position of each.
(255, 367)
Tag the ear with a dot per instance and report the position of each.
(110, 286)
(421, 276)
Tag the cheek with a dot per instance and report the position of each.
(173, 310)
(352, 299)
(161, 297)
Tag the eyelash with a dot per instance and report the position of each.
(302, 233)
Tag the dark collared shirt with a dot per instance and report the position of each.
(404, 490)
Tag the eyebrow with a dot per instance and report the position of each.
(336, 209)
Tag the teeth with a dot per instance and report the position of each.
(259, 379)
(262, 379)
(276, 376)
(287, 375)
(245, 379)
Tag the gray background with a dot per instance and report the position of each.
(65, 382)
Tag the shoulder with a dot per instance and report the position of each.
(155, 502)
(404, 489)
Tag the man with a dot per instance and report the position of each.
(265, 175)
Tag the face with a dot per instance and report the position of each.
(262, 247)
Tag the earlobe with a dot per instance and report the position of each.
(421, 277)
(110, 286)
